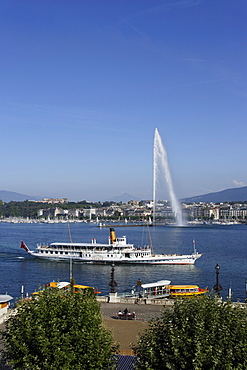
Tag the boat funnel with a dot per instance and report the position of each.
(113, 237)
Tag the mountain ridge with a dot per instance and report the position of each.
(227, 195)
(8, 196)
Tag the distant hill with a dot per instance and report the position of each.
(228, 195)
(125, 197)
(8, 196)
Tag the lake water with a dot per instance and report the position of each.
(225, 245)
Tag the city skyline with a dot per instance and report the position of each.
(85, 84)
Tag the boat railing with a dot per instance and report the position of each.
(145, 294)
(40, 246)
(128, 295)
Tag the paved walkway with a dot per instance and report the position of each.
(126, 332)
(143, 312)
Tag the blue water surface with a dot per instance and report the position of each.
(222, 244)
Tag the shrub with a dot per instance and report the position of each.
(59, 330)
(197, 333)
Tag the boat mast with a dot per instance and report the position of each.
(194, 245)
(70, 261)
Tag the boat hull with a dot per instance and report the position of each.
(183, 291)
(188, 295)
(164, 260)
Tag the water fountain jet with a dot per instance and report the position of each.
(160, 162)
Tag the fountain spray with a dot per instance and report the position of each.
(160, 162)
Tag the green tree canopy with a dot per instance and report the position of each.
(197, 333)
(59, 330)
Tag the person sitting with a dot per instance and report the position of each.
(126, 311)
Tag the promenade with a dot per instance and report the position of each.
(126, 332)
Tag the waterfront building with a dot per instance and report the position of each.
(55, 200)
(195, 211)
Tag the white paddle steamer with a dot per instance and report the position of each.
(117, 251)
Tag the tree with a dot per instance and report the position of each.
(59, 330)
(197, 333)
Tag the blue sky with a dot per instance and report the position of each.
(84, 84)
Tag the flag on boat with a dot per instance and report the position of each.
(23, 245)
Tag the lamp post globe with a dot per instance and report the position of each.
(217, 287)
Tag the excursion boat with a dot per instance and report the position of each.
(181, 291)
(163, 289)
(156, 290)
(117, 251)
(65, 286)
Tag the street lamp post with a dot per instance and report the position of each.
(217, 287)
(113, 283)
